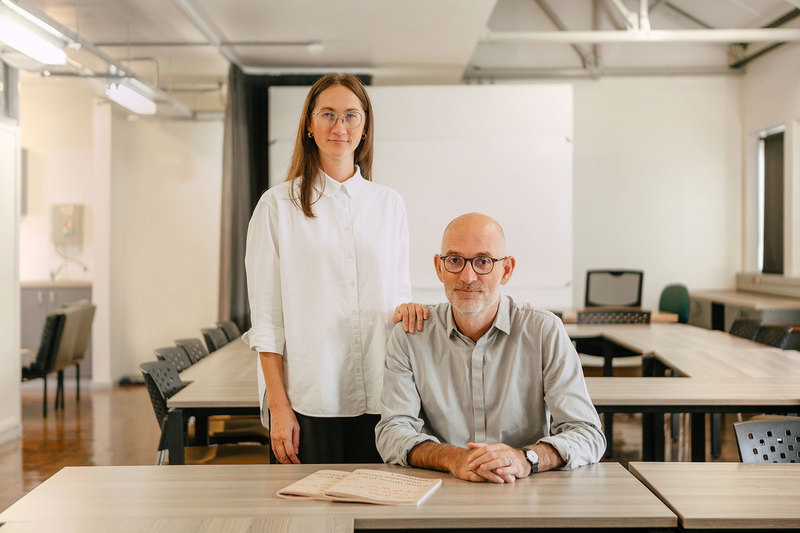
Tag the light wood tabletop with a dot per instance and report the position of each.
(739, 362)
(727, 495)
(601, 495)
(207, 524)
(702, 393)
(752, 300)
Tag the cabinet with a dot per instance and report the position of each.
(37, 299)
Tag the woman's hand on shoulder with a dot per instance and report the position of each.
(412, 315)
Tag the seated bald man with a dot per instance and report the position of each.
(490, 389)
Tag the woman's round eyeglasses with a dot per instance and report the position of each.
(481, 264)
(328, 119)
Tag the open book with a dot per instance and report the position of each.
(362, 485)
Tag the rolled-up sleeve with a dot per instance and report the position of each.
(400, 427)
(262, 265)
(575, 428)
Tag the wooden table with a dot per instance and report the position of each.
(655, 396)
(225, 381)
(717, 309)
(727, 495)
(603, 495)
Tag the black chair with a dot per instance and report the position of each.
(614, 288)
(162, 381)
(745, 328)
(46, 355)
(175, 355)
(194, 348)
(230, 328)
(613, 316)
(770, 440)
(783, 336)
(598, 352)
(215, 338)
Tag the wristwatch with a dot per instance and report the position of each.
(533, 459)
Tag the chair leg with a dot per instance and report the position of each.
(77, 382)
(44, 403)
(716, 435)
(608, 430)
(160, 459)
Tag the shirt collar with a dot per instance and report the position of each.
(502, 320)
(352, 186)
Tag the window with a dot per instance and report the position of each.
(770, 200)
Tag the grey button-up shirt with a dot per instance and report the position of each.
(520, 384)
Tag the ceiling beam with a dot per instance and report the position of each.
(558, 23)
(200, 23)
(653, 36)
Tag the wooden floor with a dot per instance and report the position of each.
(117, 427)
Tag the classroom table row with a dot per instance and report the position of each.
(721, 374)
(604, 496)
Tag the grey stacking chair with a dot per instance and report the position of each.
(769, 440)
(175, 355)
(194, 348)
(230, 328)
(215, 338)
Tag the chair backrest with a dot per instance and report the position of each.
(614, 288)
(675, 299)
(194, 348)
(772, 440)
(175, 355)
(162, 381)
(69, 336)
(783, 336)
(48, 345)
(745, 328)
(215, 338)
(230, 328)
(613, 316)
(86, 310)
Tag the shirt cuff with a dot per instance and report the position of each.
(270, 340)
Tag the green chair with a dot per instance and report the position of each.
(675, 299)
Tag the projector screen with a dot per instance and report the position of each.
(505, 151)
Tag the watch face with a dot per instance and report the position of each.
(533, 458)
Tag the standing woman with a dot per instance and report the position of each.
(327, 272)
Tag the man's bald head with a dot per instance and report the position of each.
(477, 225)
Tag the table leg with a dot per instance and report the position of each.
(175, 441)
(698, 437)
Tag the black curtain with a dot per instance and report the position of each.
(246, 177)
(773, 204)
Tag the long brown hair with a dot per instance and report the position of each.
(305, 160)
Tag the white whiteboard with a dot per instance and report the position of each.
(504, 151)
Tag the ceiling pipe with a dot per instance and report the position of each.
(653, 36)
(200, 23)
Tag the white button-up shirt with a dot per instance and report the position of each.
(323, 290)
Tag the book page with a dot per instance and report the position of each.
(314, 485)
(377, 486)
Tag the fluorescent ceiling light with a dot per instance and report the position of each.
(31, 39)
(130, 99)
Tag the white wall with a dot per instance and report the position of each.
(657, 181)
(165, 231)
(57, 130)
(10, 404)
(771, 97)
(151, 191)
